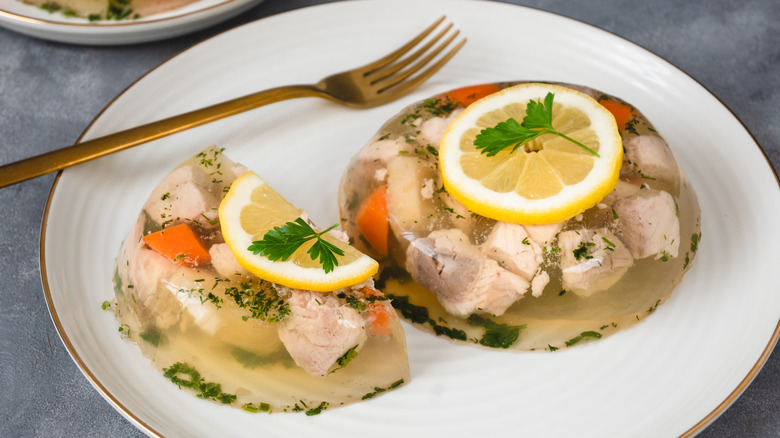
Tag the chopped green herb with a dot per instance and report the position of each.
(347, 357)
(419, 315)
(165, 196)
(119, 9)
(525, 241)
(653, 307)
(563, 291)
(432, 150)
(51, 7)
(153, 337)
(631, 126)
(439, 107)
(695, 242)
(378, 390)
(583, 335)
(315, 411)
(353, 302)
(610, 245)
(105, 305)
(496, 335)
(184, 375)
(251, 407)
(415, 314)
(261, 301)
(281, 242)
(582, 251)
(551, 348)
(615, 215)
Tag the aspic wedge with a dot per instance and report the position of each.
(251, 209)
(550, 178)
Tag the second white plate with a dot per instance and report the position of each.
(33, 21)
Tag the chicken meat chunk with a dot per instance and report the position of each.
(592, 261)
(651, 156)
(648, 224)
(510, 245)
(185, 195)
(462, 277)
(319, 330)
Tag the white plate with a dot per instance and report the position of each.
(670, 375)
(33, 21)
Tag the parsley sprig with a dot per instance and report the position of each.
(281, 242)
(537, 121)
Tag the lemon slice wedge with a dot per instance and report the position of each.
(251, 208)
(548, 180)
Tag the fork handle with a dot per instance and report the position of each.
(59, 159)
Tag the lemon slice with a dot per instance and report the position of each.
(251, 208)
(548, 180)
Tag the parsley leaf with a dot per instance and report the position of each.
(281, 242)
(510, 133)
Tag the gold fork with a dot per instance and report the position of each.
(374, 84)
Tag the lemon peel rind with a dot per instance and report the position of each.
(295, 276)
(577, 197)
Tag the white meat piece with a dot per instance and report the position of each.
(371, 164)
(432, 130)
(510, 245)
(652, 157)
(539, 282)
(599, 267)
(184, 195)
(622, 190)
(464, 280)
(225, 263)
(543, 234)
(648, 224)
(146, 272)
(380, 151)
(190, 286)
(319, 330)
(406, 209)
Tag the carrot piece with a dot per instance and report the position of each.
(380, 314)
(180, 244)
(468, 95)
(372, 220)
(620, 111)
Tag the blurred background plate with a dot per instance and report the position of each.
(36, 22)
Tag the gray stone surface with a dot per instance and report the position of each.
(50, 92)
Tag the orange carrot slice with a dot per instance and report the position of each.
(468, 95)
(380, 314)
(620, 111)
(180, 244)
(372, 220)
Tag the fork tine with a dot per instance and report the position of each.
(382, 73)
(391, 81)
(383, 62)
(421, 77)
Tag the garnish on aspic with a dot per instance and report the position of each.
(538, 121)
(281, 242)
